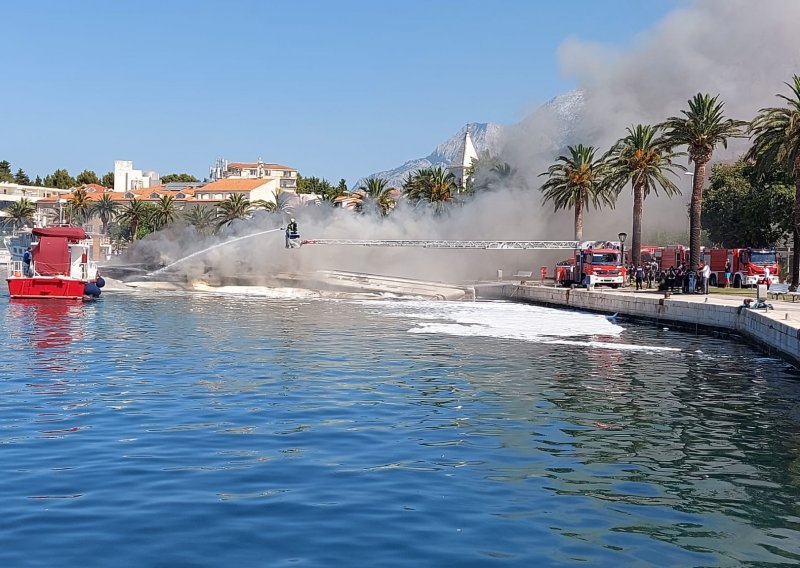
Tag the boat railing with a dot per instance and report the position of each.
(15, 268)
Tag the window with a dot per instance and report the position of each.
(287, 174)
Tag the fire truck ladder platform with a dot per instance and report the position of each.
(438, 244)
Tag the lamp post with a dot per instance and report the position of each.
(622, 237)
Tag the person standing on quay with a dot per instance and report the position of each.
(639, 276)
(705, 274)
(727, 273)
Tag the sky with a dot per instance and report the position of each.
(335, 89)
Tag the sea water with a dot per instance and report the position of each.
(201, 429)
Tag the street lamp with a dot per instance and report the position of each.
(622, 237)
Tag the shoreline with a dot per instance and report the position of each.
(776, 331)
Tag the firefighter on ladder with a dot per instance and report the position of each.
(291, 232)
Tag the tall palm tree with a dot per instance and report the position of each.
(574, 183)
(236, 206)
(164, 212)
(134, 214)
(79, 205)
(776, 142)
(700, 128)
(20, 213)
(379, 194)
(435, 186)
(106, 209)
(643, 160)
(201, 217)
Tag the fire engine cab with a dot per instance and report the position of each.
(748, 266)
(595, 263)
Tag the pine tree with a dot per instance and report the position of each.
(22, 178)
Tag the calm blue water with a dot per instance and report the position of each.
(203, 430)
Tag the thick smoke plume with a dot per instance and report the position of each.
(742, 50)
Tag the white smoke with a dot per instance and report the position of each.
(742, 50)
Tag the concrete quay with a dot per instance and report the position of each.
(776, 331)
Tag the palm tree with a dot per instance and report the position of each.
(574, 183)
(776, 142)
(378, 194)
(201, 217)
(134, 214)
(79, 205)
(643, 160)
(164, 212)
(236, 206)
(105, 208)
(282, 203)
(700, 128)
(20, 213)
(432, 185)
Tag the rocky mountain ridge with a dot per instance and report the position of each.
(490, 138)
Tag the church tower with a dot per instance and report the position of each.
(464, 161)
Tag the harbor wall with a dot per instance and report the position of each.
(775, 331)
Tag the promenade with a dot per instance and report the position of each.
(777, 330)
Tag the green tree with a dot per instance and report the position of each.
(643, 160)
(21, 177)
(79, 205)
(321, 187)
(60, 179)
(38, 182)
(775, 135)
(433, 186)
(701, 129)
(5, 172)
(20, 213)
(378, 195)
(574, 182)
(236, 206)
(134, 215)
(87, 177)
(341, 188)
(170, 178)
(201, 217)
(164, 212)
(741, 208)
(106, 209)
(282, 204)
(108, 180)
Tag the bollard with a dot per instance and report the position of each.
(499, 274)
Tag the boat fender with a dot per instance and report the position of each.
(100, 282)
(91, 289)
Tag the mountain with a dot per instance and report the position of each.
(490, 138)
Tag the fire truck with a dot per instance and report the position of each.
(594, 263)
(664, 256)
(748, 266)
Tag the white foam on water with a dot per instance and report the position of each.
(258, 291)
(521, 322)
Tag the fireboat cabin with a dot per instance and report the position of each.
(59, 267)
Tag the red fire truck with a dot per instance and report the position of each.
(665, 256)
(595, 263)
(748, 266)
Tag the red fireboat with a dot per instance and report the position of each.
(59, 267)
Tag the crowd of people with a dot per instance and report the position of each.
(650, 275)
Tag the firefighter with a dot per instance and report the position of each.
(291, 231)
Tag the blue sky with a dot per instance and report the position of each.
(336, 89)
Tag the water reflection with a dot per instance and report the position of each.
(43, 330)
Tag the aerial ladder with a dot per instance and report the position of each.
(448, 244)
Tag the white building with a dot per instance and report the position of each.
(283, 177)
(128, 179)
(11, 192)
